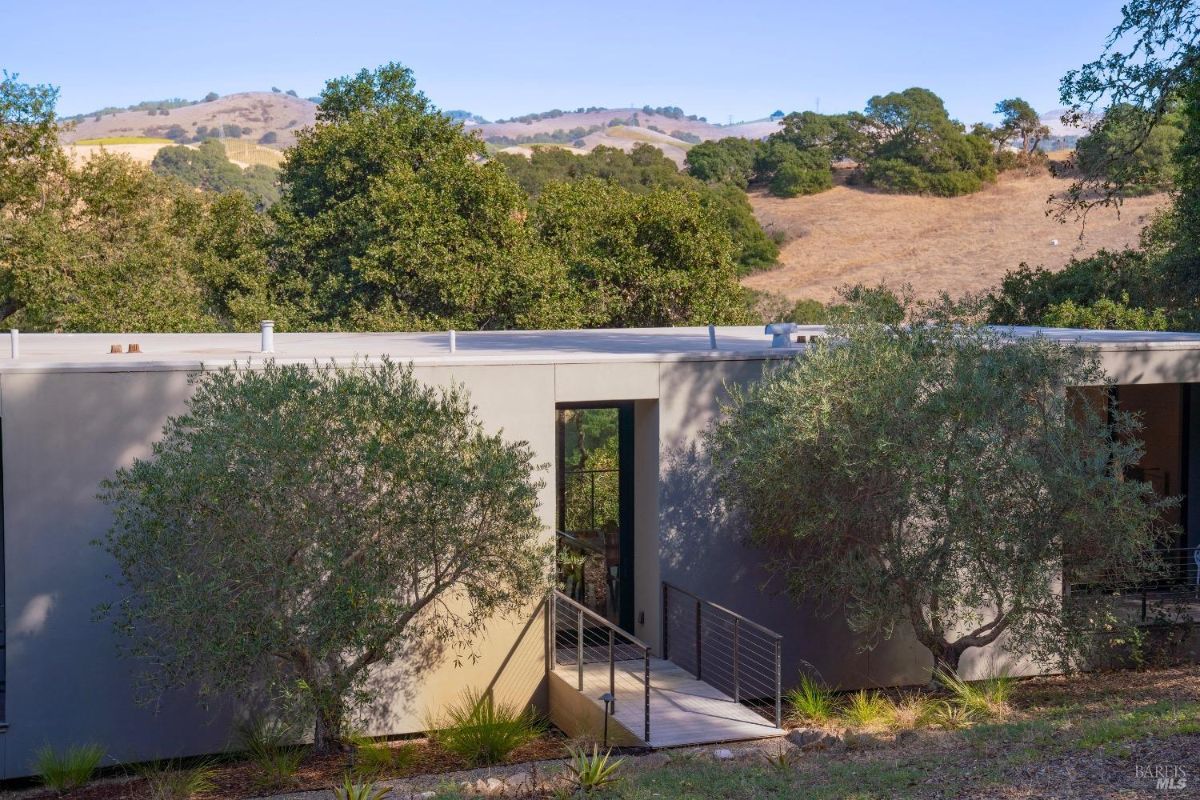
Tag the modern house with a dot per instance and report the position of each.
(658, 597)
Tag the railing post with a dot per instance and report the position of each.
(646, 673)
(699, 652)
(552, 637)
(612, 669)
(778, 683)
(579, 648)
(737, 678)
(666, 627)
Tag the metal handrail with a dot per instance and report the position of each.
(581, 612)
(743, 659)
(745, 621)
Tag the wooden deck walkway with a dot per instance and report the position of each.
(683, 710)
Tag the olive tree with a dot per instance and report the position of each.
(299, 525)
(943, 476)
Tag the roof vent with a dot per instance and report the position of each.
(134, 347)
(116, 348)
(781, 333)
(268, 336)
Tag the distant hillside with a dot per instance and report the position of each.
(274, 117)
(248, 115)
(960, 244)
(673, 133)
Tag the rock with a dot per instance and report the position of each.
(862, 741)
(486, 787)
(723, 754)
(813, 739)
(520, 781)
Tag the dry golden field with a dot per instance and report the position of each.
(960, 244)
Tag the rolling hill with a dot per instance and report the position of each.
(255, 114)
(960, 244)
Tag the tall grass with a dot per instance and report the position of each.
(270, 746)
(374, 759)
(985, 699)
(169, 780)
(62, 772)
(812, 701)
(484, 732)
(867, 709)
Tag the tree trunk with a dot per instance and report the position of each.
(329, 729)
(946, 658)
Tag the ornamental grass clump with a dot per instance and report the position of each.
(483, 732)
(62, 772)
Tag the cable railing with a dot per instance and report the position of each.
(725, 650)
(1171, 577)
(582, 638)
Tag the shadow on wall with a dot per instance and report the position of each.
(705, 550)
(415, 689)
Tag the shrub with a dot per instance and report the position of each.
(986, 699)
(812, 701)
(793, 178)
(484, 732)
(915, 711)
(373, 759)
(169, 780)
(950, 716)
(62, 772)
(352, 790)
(269, 744)
(588, 773)
(865, 709)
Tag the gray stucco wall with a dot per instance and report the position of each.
(63, 432)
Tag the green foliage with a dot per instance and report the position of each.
(590, 773)
(310, 596)
(812, 701)
(484, 732)
(966, 537)
(729, 160)
(65, 771)
(373, 759)
(644, 170)
(840, 136)
(1020, 121)
(1119, 153)
(388, 220)
(29, 150)
(1117, 288)
(172, 780)
(651, 258)
(208, 167)
(864, 709)
(1105, 314)
(921, 150)
(271, 748)
(353, 790)
(985, 699)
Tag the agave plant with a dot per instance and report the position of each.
(353, 790)
(588, 773)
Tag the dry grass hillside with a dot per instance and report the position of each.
(261, 112)
(960, 244)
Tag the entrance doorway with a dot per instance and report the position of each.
(595, 508)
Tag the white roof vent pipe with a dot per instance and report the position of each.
(781, 333)
(712, 337)
(268, 336)
(453, 341)
(14, 341)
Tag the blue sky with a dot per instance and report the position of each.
(716, 59)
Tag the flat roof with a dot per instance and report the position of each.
(165, 351)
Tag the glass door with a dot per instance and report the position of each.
(595, 531)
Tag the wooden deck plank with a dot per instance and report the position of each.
(683, 710)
